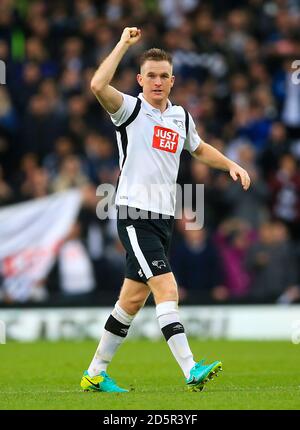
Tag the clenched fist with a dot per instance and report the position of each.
(130, 35)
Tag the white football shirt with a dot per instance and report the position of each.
(150, 143)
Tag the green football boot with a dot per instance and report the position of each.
(101, 382)
(200, 374)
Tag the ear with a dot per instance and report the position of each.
(172, 81)
(139, 78)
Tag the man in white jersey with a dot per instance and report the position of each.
(151, 133)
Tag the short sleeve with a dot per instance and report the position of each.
(192, 140)
(124, 112)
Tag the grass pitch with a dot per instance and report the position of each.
(46, 375)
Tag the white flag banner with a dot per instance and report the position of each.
(30, 236)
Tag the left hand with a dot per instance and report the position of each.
(236, 172)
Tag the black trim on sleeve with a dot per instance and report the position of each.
(134, 114)
(187, 121)
(124, 142)
(122, 128)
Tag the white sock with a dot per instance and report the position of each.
(169, 322)
(113, 335)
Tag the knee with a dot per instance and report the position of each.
(170, 295)
(131, 305)
(164, 289)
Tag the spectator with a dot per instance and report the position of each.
(271, 262)
(48, 89)
(191, 258)
(77, 117)
(63, 147)
(215, 204)
(174, 12)
(70, 83)
(105, 42)
(28, 165)
(37, 184)
(100, 160)
(76, 277)
(251, 206)
(30, 79)
(40, 124)
(70, 175)
(72, 58)
(254, 125)
(285, 189)
(277, 145)
(233, 238)
(37, 52)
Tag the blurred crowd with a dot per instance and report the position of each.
(236, 74)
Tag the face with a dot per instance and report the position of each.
(156, 79)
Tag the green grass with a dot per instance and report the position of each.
(45, 375)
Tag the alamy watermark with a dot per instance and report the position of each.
(2, 72)
(2, 332)
(189, 202)
(296, 73)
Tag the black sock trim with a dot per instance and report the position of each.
(172, 329)
(116, 327)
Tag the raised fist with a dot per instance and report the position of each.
(131, 35)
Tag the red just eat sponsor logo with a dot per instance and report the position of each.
(165, 139)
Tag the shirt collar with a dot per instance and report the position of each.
(152, 108)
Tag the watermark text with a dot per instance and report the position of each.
(183, 202)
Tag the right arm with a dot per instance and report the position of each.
(110, 98)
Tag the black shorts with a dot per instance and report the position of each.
(146, 241)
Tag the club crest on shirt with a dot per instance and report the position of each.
(165, 139)
(179, 124)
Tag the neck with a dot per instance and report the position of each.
(159, 104)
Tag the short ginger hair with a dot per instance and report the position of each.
(155, 54)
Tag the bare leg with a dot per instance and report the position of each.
(133, 296)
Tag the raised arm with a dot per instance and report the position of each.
(214, 158)
(110, 98)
